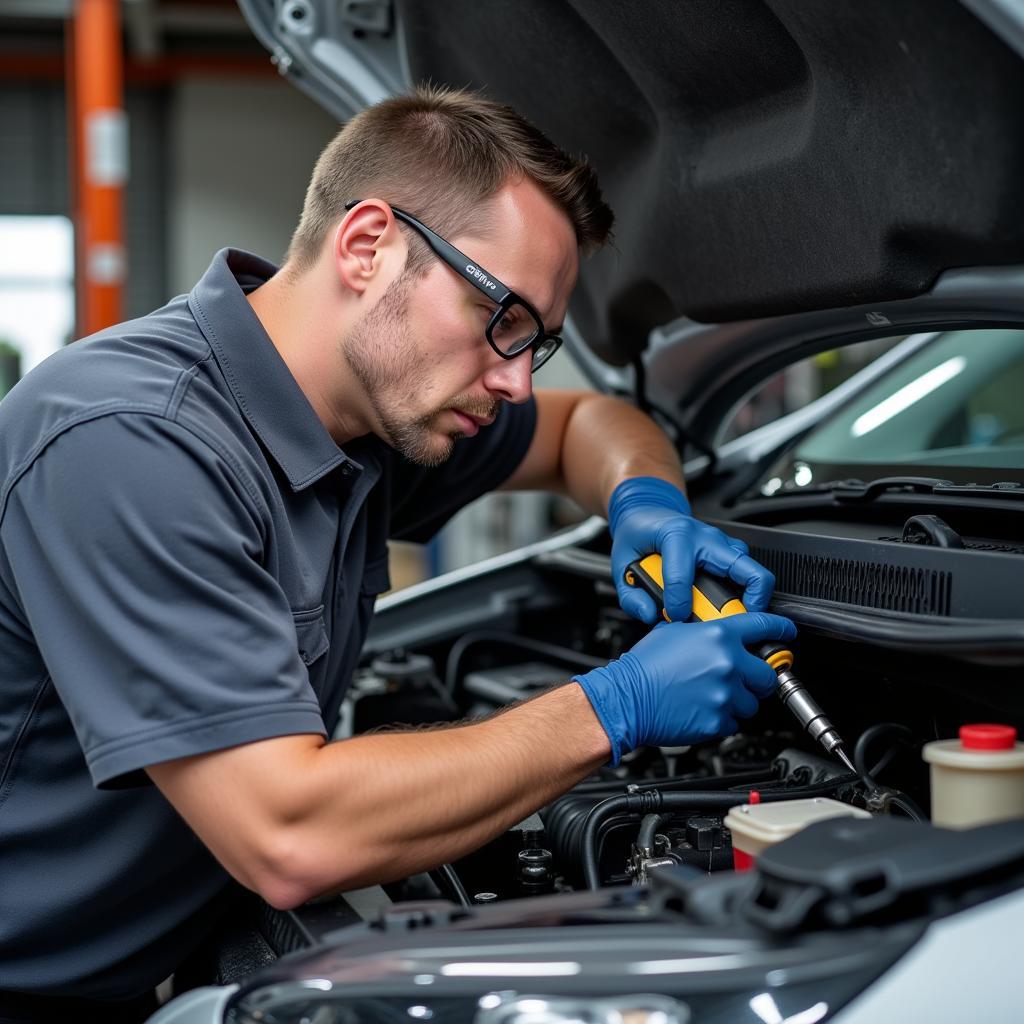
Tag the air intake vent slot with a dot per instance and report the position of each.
(868, 584)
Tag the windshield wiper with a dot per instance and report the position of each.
(857, 491)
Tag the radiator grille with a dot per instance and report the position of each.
(869, 584)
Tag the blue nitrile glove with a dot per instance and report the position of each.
(685, 682)
(647, 516)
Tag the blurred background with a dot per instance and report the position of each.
(138, 137)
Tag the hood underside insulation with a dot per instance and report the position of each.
(762, 156)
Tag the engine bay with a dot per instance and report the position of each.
(661, 846)
(504, 635)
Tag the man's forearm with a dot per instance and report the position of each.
(432, 796)
(294, 817)
(605, 442)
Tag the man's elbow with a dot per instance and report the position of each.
(282, 896)
(292, 871)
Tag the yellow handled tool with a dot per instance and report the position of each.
(715, 598)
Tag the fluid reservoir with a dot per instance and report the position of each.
(978, 778)
(756, 826)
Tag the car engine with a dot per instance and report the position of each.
(669, 834)
(536, 624)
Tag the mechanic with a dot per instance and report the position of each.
(193, 522)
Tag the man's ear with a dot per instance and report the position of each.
(365, 243)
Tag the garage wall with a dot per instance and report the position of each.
(241, 153)
(34, 174)
(213, 162)
(33, 149)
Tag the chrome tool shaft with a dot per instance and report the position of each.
(812, 719)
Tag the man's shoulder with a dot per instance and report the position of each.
(135, 366)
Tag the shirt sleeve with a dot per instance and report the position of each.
(136, 553)
(423, 500)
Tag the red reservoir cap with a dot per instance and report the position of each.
(988, 737)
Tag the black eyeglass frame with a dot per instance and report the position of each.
(487, 283)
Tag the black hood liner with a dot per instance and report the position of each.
(762, 156)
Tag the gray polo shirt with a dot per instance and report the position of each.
(187, 562)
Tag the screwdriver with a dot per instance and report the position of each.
(715, 598)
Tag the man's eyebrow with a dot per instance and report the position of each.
(515, 291)
(550, 330)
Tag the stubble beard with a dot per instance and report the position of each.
(383, 357)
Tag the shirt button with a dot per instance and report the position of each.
(346, 470)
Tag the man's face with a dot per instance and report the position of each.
(387, 361)
(421, 354)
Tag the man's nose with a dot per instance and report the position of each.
(511, 379)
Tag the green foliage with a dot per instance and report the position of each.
(10, 366)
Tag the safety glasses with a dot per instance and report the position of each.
(515, 325)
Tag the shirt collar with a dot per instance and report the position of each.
(270, 398)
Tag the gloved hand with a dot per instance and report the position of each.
(647, 516)
(685, 682)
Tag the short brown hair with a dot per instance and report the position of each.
(438, 153)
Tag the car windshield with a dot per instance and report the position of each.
(954, 409)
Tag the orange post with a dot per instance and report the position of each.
(102, 161)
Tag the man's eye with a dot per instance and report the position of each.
(508, 322)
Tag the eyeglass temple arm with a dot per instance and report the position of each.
(458, 261)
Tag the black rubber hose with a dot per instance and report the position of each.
(648, 830)
(903, 803)
(654, 802)
(894, 798)
(565, 816)
(650, 802)
(566, 655)
(682, 782)
(904, 736)
(448, 881)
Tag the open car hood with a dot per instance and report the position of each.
(764, 158)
